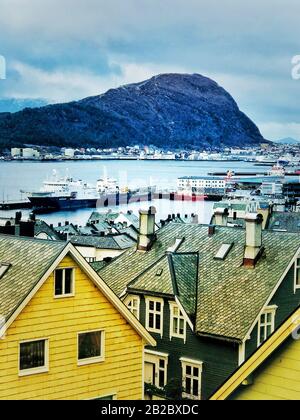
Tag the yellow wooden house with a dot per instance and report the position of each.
(273, 372)
(63, 333)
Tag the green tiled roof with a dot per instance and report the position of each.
(186, 278)
(29, 259)
(156, 279)
(175, 275)
(230, 296)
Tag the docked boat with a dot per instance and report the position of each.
(69, 194)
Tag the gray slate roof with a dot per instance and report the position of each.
(173, 275)
(42, 227)
(118, 242)
(29, 259)
(230, 296)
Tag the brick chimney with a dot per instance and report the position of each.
(253, 248)
(221, 217)
(147, 229)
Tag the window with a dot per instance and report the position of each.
(133, 304)
(178, 323)
(191, 378)
(90, 259)
(90, 347)
(154, 315)
(266, 325)
(64, 282)
(156, 368)
(297, 274)
(33, 357)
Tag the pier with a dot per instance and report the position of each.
(15, 205)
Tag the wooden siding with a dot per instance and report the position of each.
(287, 302)
(278, 378)
(60, 320)
(220, 358)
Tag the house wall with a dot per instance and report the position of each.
(60, 320)
(220, 358)
(277, 378)
(287, 302)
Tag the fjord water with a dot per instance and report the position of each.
(29, 176)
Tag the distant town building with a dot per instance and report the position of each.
(195, 182)
(70, 153)
(25, 153)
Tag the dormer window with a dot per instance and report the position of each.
(154, 315)
(64, 282)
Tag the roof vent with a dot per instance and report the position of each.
(159, 272)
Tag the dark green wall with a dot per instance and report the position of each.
(220, 358)
(287, 302)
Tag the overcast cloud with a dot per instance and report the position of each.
(61, 50)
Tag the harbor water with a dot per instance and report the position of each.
(29, 176)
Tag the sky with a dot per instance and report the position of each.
(63, 50)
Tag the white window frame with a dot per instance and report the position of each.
(38, 370)
(297, 268)
(268, 310)
(154, 358)
(193, 364)
(173, 305)
(90, 259)
(155, 300)
(133, 308)
(65, 295)
(92, 360)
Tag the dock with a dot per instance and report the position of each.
(15, 205)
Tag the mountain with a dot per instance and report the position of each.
(15, 105)
(288, 141)
(169, 110)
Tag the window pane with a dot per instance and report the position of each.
(158, 306)
(151, 320)
(68, 281)
(181, 329)
(151, 305)
(89, 345)
(157, 319)
(32, 355)
(161, 363)
(58, 282)
(188, 386)
(175, 325)
(161, 378)
(195, 387)
(188, 370)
